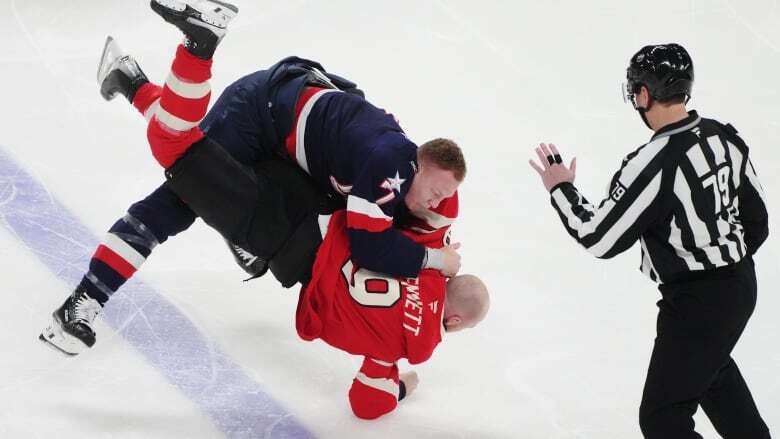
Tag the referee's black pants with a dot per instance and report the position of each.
(700, 319)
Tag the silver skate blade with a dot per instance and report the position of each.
(54, 347)
(58, 340)
(111, 52)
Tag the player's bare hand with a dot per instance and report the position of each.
(410, 380)
(551, 167)
(451, 265)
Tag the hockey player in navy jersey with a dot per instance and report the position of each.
(346, 153)
(693, 200)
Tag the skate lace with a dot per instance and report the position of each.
(247, 257)
(86, 309)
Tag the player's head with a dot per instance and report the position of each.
(661, 73)
(466, 304)
(441, 169)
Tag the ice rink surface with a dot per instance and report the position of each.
(187, 350)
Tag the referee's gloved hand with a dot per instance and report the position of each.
(552, 169)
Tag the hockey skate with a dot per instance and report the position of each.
(71, 331)
(118, 72)
(203, 22)
(251, 264)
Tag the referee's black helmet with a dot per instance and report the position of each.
(665, 69)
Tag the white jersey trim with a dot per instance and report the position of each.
(359, 205)
(300, 129)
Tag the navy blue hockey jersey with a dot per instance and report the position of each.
(350, 148)
(358, 151)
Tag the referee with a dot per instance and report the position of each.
(692, 198)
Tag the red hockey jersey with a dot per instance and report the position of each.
(374, 315)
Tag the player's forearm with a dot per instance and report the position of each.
(388, 252)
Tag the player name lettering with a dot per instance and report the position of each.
(413, 307)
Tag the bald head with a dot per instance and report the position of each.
(467, 302)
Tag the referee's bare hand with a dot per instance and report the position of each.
(552, 169)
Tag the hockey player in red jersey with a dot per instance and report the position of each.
(386, 318)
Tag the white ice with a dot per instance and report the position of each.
(563, 353)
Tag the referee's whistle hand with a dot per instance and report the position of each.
(551, 167)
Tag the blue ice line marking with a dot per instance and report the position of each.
(151, 324)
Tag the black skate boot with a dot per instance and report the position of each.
(71, 328)
(251, 264)
(203, 22)
(118, 73)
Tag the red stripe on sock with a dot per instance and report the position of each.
(145, 96)
(189, 67)
(191, 110)
(113, 260)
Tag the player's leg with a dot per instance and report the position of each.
(173, 126)
(121, 253)
(175, 109)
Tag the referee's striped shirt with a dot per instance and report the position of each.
(690, 196)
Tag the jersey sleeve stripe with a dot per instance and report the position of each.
(383, 384)
(628, 218)
(382, 363)
(361, 206)
(752, 177)
(363, 222)
(300, 128)
(589, 219)
(737, 160)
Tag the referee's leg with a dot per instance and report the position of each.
(730, 406)
(699, 324)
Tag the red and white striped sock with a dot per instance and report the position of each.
(175, 110)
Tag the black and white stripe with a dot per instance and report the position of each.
(690, 196)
